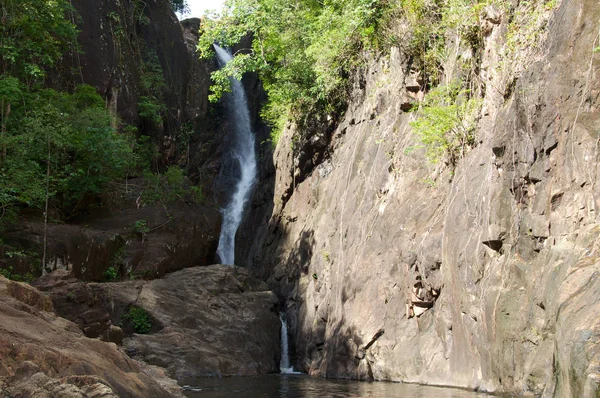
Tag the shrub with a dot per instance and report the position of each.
(139, 318)
(8, 273)
(168, 187)
(110, 274)
(446, 121)
(141, 227)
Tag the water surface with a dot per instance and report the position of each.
(302, 386)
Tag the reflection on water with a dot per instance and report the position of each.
(302, 386)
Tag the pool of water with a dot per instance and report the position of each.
(300, 386)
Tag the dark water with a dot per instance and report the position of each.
(301, 386)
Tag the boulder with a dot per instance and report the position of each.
(43, 355)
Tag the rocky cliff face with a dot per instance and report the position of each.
(482, 276)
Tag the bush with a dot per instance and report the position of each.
(8, 273)
(139, 318)
(141, 227)
(446, 122)
(110, 274)
(168, 187)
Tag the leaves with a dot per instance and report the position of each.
(303, 50)
(445, 122)
(75, 130)
(34, 34)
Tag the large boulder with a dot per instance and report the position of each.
(217, 321)
(44, 355)
(214, 320)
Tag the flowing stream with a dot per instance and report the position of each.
(238, 168)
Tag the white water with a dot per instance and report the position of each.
(284, 364)
(239, 164)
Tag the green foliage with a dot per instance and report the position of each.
(139, 318)
(141, 227)
(432, 23)
(152, 109)
(169, 187)
(164, 188)
(151, 105)
(110, 274)
(446, 121)
(525, 31)
(34, 34)
(180, 6)
(197, 194)
(65, 140)
(303, 50)
(9, 274)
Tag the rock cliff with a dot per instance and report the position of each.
(483, 275)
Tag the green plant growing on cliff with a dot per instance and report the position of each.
(141, 228)
(525, 32)
(151, 104)
(139, 318)
(433, 25)
(445, 122)
(110, 274)
(168, 187)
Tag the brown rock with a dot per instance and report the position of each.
(33, 340)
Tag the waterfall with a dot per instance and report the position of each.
(284, 364)
(239, 164)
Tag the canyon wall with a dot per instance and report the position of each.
(481, 275)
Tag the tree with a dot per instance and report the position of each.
(180, 6)
(303, 50)
(34, 34)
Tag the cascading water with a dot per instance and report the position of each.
(284, 364)
(238, 166)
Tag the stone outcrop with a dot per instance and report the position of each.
(481, 276)
(43, 355)
(178, 235)
(217, 321)
(205, 321)
(116, 37)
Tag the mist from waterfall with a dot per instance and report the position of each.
(238, 168)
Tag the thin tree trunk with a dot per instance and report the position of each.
(46, 209)
(5, 115)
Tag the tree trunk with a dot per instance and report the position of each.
(46, 209)
(4, 117)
